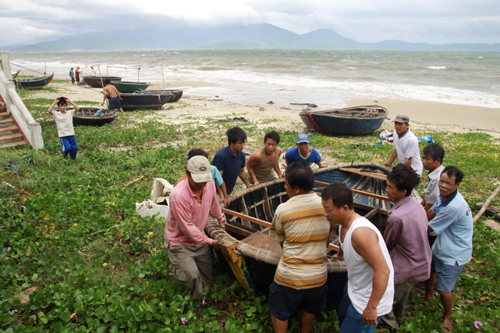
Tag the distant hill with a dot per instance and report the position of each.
(257, 36)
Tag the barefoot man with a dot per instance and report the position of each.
(114, 96)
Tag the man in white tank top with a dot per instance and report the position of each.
(370, 287)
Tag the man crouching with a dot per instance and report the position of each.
(189, 248)
(303, 233)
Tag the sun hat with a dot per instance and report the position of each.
(200, 170)
(302, 138)
(402, 118)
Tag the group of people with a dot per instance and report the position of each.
(75, 74)
(428, 241)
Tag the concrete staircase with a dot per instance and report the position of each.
(10, 134)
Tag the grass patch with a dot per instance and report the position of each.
(97, 266)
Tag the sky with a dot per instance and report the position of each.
(422, 21)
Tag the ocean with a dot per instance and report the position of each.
(322, 77)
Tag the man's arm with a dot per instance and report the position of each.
(104, 92)
(254, 159)
(392, 158)
(430, 215)
(277, 165)
(181, 212)
(51, 107)
(339, 255)
(408, 161)
(365, 243)
(244, 178)
(321, 165)
(224, 193)
(216, 212)
(393, 233)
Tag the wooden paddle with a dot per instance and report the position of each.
(263, 223)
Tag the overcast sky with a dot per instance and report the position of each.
(427, 21)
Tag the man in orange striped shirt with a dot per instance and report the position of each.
(303, 232)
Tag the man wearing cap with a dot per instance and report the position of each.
(303, 152)
(405, 145)
(189, 248)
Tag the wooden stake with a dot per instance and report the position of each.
(486, 204)
(263, 223)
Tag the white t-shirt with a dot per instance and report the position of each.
(64, 123)
(92, 72)
(407, 147)
(360, 273)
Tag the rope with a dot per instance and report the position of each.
(27, 68)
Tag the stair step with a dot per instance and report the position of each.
(13, 144)
(8, 128)
(6, 121)
(11, 137)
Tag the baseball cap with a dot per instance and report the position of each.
(200, 170)
(402, 118)
(302, 138)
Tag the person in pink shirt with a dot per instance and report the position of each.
(189, 248)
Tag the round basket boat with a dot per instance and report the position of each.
(251, 255)
(86, 116)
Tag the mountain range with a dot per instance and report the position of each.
(256, 36)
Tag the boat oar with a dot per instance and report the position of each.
(263, 223)
(367, 194)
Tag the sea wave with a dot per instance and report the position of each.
(437, 67)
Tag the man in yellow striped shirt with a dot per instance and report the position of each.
(303, 232)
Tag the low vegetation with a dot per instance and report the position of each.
(75, 257)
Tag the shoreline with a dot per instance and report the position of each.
(423, 115)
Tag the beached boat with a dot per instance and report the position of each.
(98, 81)
(251, 255)
(358, 120)
(36, 83)
(176, 95)
(154, 99)
(129, 86)
(86, 116)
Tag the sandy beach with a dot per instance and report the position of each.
(424, 115)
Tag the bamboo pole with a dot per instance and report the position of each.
(368, 194)
(486, 204)
(263, 223)
(362, 173)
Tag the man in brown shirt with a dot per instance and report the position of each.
(261, 163)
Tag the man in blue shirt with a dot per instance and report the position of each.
(451, 219)
(303, 152)
(230, 160)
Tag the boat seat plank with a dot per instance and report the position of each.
(263, 242)
(366, 174)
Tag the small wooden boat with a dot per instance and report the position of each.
(176, 95)
(251, 255)
(154, 99)
(358, 120)
(98, 81)
(129, 86)
(86, 116)
(36, 83)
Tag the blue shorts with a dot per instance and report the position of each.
(114, 103)
(350, 320)
(283, 302)
(446, 275)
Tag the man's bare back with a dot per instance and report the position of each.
(111, 91)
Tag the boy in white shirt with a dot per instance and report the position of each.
(64, 123)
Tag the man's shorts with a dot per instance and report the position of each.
(446, 275)
(77, 79)
(283, 302)
(114, 103)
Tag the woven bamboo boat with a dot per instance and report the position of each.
(251, 255)
(86, 116)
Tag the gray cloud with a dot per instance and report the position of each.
(439, 22)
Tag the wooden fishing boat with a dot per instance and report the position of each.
(86, 116)
(358, 120)
(154, 99)
(251, 255)
(176, 95)
(36, 83)
(129, 86)
(98, 81)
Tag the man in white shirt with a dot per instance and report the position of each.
(405, 145)
(369, 292)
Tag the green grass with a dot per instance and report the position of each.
(98, 267)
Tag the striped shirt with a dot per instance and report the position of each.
(300, 224)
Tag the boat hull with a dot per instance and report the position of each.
(96, 82)
(144, 100)
(129, 87)
(85, 117)
(249, 254)
(343, 123)
(36, 83)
